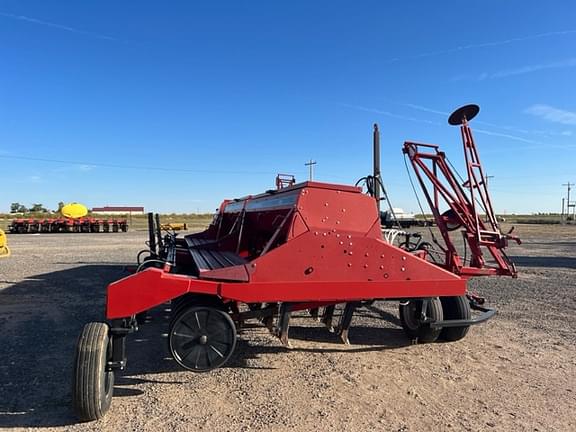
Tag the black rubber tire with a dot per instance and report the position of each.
(189, 300)
(409, 318)
(92, 384)
(455, 308)
(202, 338)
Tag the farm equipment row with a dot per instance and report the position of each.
(304, 246)
(67, 225)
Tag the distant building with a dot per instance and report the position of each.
(118, 210)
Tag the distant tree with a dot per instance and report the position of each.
(60, 205)
(38, 208)
(22, 209)
(14, 207)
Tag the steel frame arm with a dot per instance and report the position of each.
(464, 201)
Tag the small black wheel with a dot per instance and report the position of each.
(202, 338)
(455, 308)
(188, 300)
(410, 318)
(92, 384)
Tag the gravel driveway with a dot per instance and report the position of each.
(515, 373)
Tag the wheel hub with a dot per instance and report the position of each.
(202, 338)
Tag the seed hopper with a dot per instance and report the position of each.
(302, 246)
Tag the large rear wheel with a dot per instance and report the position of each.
(411, 319)
(93, 384)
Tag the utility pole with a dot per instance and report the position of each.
(486, 177)
(568, 203)
(310, 164)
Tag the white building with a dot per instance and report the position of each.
(109, 210)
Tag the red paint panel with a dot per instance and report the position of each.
(298, 226)
(152, 287)
(236, 273)
(340, 291)
(318, 256)
(329, 209)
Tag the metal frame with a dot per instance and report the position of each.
(464, 201)
(321, 246)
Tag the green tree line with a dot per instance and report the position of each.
(16, 207)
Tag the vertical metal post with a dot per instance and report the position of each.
(159, 232)
(151, 235)
(376, 139)
(562, 214)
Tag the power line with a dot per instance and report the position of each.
(135, 167)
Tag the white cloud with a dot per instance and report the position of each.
(540, 133)
(482, 45)
(571, 62)
(505, 73)
(56, 26)
(74, 167)
(552, 114)
(434, 123)
(503, 135)
(390, 114)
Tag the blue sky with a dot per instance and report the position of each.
(177, 105)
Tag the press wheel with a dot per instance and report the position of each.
(455, 308)
(202, 338)
(410, 318)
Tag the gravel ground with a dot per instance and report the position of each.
(517, 372)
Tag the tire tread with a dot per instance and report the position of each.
(455, 308)
(88, 400)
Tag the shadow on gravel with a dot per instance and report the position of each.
(545, 261)
(41, 318)
(377, 338)
(148, 352)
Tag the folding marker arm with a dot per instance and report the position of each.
(480, 231)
